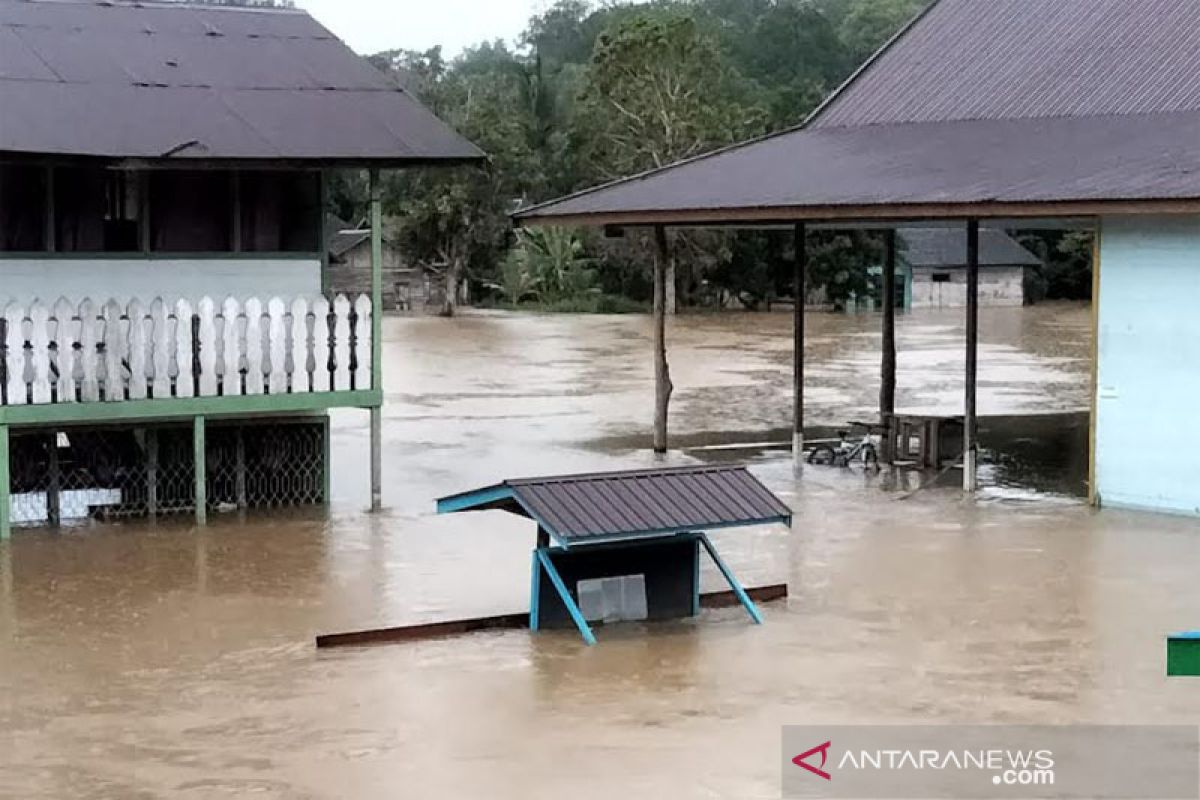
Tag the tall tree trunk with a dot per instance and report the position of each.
(662, 371)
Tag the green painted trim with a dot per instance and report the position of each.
(245, 255)
(200, 462)
(186, 407)
(5, 487)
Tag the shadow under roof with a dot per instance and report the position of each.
(186, 82)
(636, 504)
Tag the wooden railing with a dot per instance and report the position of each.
(91, 352)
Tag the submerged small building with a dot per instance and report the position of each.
(168, 339)
(932, 270)
(998, 113)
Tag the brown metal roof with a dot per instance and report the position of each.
(165, 80)
(1010, 107)
(913, 170)
(580, 509)
(1007, 59)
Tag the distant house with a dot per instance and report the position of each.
(932, 272)
(404, 288)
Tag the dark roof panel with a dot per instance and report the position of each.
(947, 247)
(126, 80)
(577, 509)
(1153, 156)
(1006, 59)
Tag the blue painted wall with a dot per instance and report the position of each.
(1148, 383)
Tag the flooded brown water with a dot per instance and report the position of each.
(141, 662)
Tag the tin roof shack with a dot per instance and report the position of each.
(162, 263)
(932, 272)
(1076, 113)
(625, 546)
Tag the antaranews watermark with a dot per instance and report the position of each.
(1088, 762)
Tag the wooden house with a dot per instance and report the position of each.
(168, 341)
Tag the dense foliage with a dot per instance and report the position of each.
(594, 93)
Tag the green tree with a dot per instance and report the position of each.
(866, 25)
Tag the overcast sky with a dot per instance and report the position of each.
(373, 25)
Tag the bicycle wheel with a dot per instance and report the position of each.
(823, 455)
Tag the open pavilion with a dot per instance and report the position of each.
(1070, 113)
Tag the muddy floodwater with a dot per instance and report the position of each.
(166, 662)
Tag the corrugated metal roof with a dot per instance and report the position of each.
(1006, 59)
(980, 103)
(578, 509)
(947, 247)
(1143, 157)
(146, 80)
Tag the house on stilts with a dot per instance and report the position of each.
(1002, 113)
(168, 341)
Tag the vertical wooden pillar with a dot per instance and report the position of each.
(239, 470)
(152, 472)
(662, 370)
(54, 482)
(5, 486)
(970, 445)
(887, 383)
(200, 461)
(800, 289)
(323, 233)
(51, 230)
(377, 340)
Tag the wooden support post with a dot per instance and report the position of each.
(376, 339)
(970, 445)
(200, 461)
(54, 482)
(239, 469)
(152, 472)
(323, 234)
(51, 229)
(5, 486)
(800, 289)
(887, 384)
(662, 370)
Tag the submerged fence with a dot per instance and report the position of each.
(90, 352)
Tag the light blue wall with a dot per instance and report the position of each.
(1148, 384)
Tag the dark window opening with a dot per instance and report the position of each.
(190, 212)
(97, 210)
(22, 208)
(281, 212)
(940, 277)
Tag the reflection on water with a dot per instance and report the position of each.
(147, 662)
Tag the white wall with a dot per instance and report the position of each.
(998, 286)
(48, 279)
(1148, 384)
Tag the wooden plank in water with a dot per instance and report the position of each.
(410, 633)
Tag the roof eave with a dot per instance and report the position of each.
(906, 212)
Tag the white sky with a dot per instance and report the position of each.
(369, 26)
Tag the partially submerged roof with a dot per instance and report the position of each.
(184, 82)
(947, 247)
(982, 107)
(613, 506)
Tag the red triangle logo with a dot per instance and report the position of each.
(820, 772)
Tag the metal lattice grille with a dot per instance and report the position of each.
(78, 474)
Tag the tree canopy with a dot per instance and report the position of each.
(593, 92)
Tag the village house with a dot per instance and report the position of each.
(169, 340)
(932, 271)
(1080, 114)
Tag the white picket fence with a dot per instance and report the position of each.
(91, 352)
